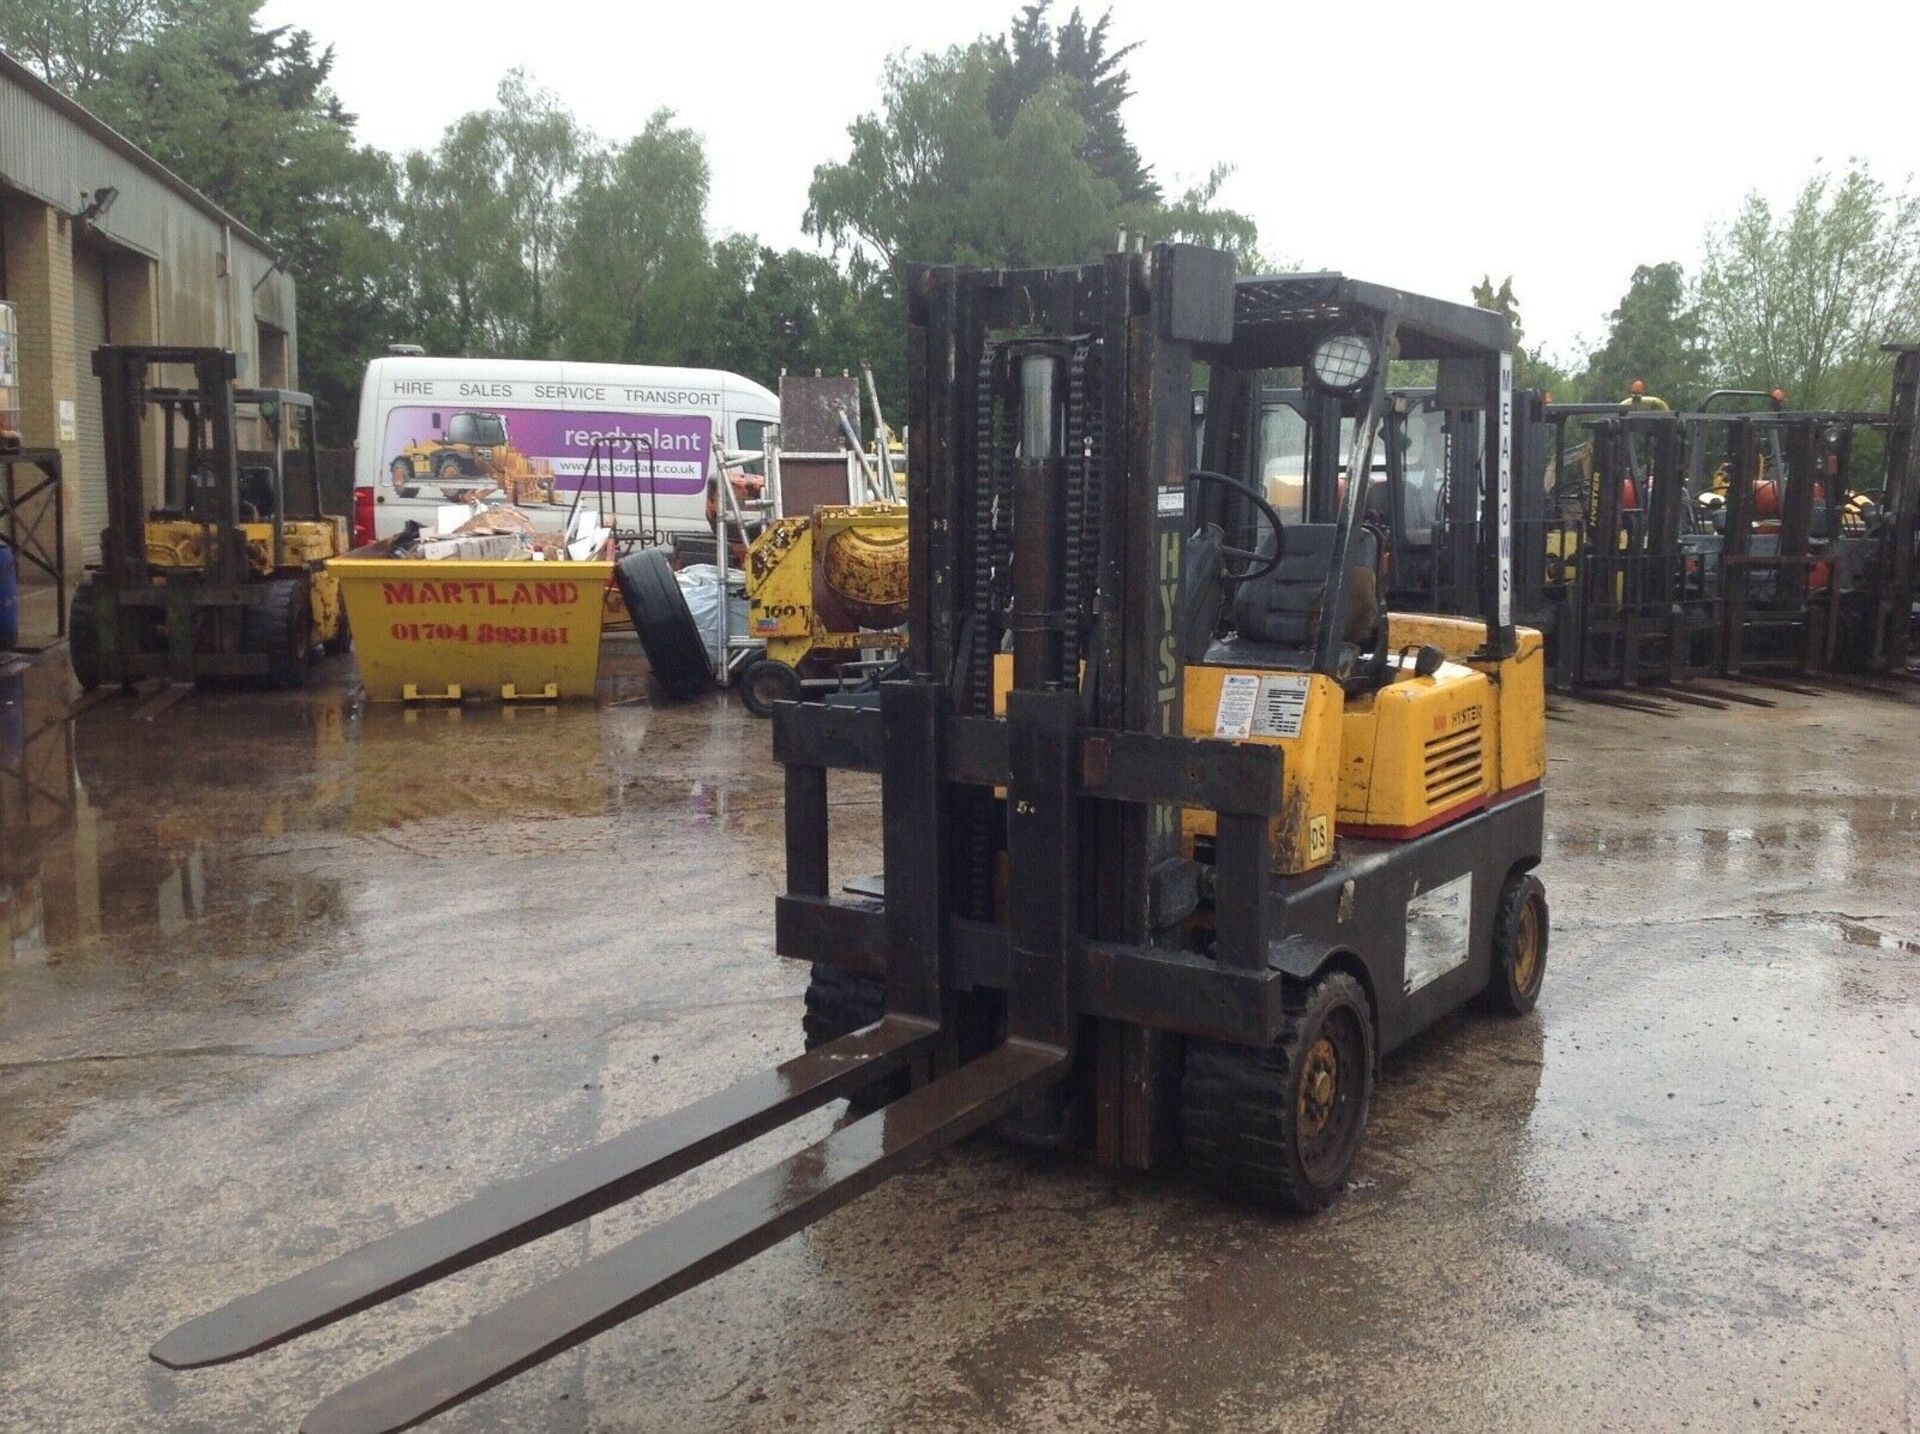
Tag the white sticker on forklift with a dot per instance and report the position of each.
(1239, 692)
(1282, 706)
(1439, 931)
(1172, 500)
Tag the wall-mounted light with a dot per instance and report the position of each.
(95, 207)
(280, 265)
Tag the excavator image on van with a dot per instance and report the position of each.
(472, 454)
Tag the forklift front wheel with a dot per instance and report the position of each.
(766, 681)
(1280, 1127)
(83, 639)
(1519, 946)
(281, 628)
(838, 1004)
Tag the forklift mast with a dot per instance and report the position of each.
(125, 372)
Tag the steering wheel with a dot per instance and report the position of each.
(1260, 563)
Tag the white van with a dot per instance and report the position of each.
(636, 442)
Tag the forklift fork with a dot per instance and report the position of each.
(690, 1247)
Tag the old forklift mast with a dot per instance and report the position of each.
(1113, 904)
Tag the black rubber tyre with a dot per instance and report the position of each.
(766, 681)
(1280, 1127)
(448, 470)
(1520, 932)
(282, 628)
(83, 637)
(341, 643)
(675, 650)
(840, 1003)
(401, 472)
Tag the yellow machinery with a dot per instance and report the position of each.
(1230, 834)
(473, 452)
(228, 577)
(822, 591)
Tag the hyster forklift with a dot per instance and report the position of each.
(227, 577)
(1181, 835)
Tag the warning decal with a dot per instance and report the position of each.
(1239, 694)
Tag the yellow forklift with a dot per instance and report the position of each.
(1182, 830)
(227, 577)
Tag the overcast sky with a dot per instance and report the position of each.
(1561, 144)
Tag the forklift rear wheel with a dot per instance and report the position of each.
(402, 474)
(766, 681)
(83, 638)
(840, 1003)
(282, 628)
(1519, 946)
(1280, 1127)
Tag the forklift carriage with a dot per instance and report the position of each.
(1179, 834)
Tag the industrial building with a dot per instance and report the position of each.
(101, 243)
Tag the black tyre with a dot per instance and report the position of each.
(341, 643)
(281, 626)
(401, 471)
(83, 637)
(766, 681)
(1280, 1127)
(675, 649)
(840, 1003)
(447, 470)
(1519, 946)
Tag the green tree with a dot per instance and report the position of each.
(986, 155)
(796, 312)
(1655, 336)
(1529, 371)
(486, 219)
(637, 270)
(1032, 55)
(929, 178)
(1805, 299)
(75, 44)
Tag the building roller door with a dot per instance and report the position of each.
(89, 332)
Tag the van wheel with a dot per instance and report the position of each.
(1519, 947)
(1279, 1127)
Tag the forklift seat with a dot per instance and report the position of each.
(1283, 608)
(256, 492)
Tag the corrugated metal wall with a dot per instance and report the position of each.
(54, 155)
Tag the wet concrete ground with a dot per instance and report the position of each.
(280, 973)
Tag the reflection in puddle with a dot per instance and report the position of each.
(116, 815)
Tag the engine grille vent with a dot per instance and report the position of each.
(1453, 767)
